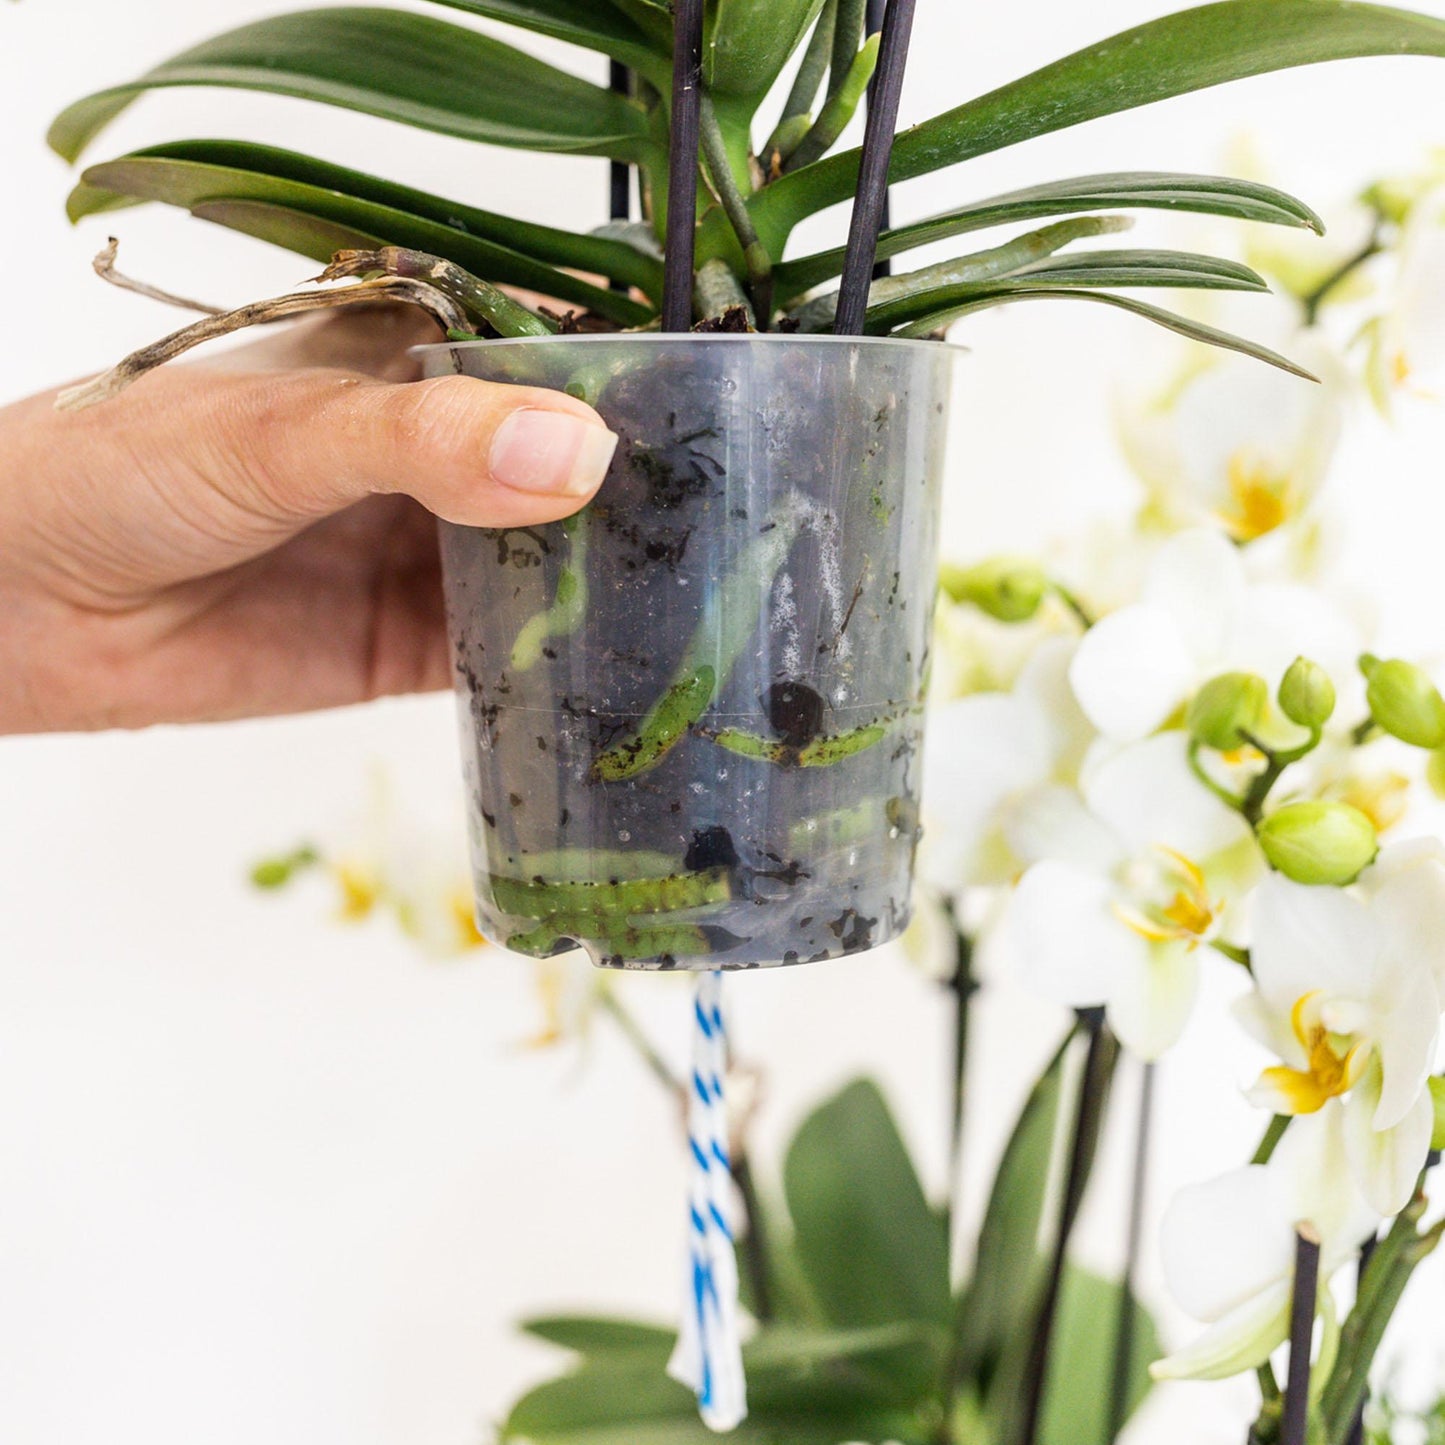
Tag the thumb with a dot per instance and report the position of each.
(472, 451)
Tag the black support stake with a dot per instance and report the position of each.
(682, 165)
(1294, 1426)
(873, 168)
(872, 24)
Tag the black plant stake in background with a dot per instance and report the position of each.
(872, 195)
(682, 158)
(1295, 1425)
(872, 24)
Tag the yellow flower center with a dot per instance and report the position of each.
(360, 891)
(1186, 912)
(1383, 799)
(1335, 1061)
(1261, 500)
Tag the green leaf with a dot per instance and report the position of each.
(1196, 48)
(873, 1251)
(593, 1335)
(1088, 268)
(804, 1388)
(1182, 325)
(1158, 190)
(1081, 1361)
(307, 201)
(747, 42)
(582, 22)
(997, 1299)
(390, 63)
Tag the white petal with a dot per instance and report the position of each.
(1406, 888)
(1052, 822)
(1269, 1027)
(1198, 579)
(1312, 1180)
(1148, 795)
(1044, 686)
(1067, 941)
(1278, 622)
(1240, 1341)
(1132, 670)
(1306, 939)
(978, 752)
(1154, 997)
(1387, 1163)
(1223, 1242)
(1406, 1025)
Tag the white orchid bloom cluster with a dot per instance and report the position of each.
(1208, 772)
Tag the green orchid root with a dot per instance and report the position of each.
(569, 603)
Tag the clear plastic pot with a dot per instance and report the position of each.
(691, 716)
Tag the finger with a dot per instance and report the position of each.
(471, 451)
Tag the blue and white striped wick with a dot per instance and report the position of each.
(708, 1357)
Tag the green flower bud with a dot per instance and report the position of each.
(1435, 772)
(1404, 701)
(1319, 842)
(1225, 706)
(1306, 694)
(1437, 1098)
(1010, 589)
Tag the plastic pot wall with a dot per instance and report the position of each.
(691, 716)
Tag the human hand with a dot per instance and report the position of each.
(254, 536)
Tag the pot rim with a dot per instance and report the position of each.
(692, 338)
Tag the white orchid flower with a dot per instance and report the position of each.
(1407, 343)
(1217, 441)
(1128, 876)
(1200, 615)
(986, 751)
(1228, 1247)
(1348, 995)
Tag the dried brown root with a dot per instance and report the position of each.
(104, 265)
(449, 314)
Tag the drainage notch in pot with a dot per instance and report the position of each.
(691, 715)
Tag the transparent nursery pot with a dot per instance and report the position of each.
(691, 716)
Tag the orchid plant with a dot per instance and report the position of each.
(758, 179)
(1194, 763)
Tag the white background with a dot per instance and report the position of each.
(265, 1179)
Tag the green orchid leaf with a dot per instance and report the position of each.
(1081, 1361)
(390, 63)
(1205, 46)
(804, 1388)
(872, 1250)
(746, 43)
(970, 271)
(227, 182)
(594, 1335)
(1156, 190)
(1182, 269)
(1182, 325)
(581, 22)
(995, 1303)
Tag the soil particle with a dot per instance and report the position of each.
(795, 712)
(852, 930)
(710, 848)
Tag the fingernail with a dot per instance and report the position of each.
(551, 451)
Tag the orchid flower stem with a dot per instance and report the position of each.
(1196, 766)
(1124, 1335)
(1272, 1136)
(1099, 1062)
(1295, 1424)
(1357, 1429)
(753, 1244)
(633, 1032)
(1276, 761)
(1080, 612)
(1311, 303)
(1382, 1284)
(1233, 952)
(963, 986)
(1363, 732)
